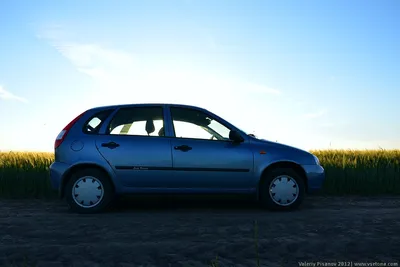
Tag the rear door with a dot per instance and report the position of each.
(135, 146)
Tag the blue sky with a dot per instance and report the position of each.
(313, 74)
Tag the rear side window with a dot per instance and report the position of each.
(93, 124)
(143, 121)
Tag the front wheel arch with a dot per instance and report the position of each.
(282, 165)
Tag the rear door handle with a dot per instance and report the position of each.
(110, 145)
(183, 148)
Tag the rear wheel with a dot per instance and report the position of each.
(282, 189)
(89, 191)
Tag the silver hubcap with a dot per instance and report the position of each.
(87, 191)
(284, 190)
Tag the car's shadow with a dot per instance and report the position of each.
(181, 202)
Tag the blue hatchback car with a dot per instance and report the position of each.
(167, 148)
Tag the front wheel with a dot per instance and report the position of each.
(89, 191)
(282, 189)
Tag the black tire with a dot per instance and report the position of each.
(266, 200)
(108, 191)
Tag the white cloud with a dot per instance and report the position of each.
(327, 125)
(315, 115)
(89, 58)
(124, 77)
(257, 88)
(92, 58)
(212, 44)
(6, 95)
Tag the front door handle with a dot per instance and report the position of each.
(110, 145)
(183, 148)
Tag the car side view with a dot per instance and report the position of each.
(168, 148)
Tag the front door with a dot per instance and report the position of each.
(135, 147)
(203, 156)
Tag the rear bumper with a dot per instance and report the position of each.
(315, 177)
(57, 170)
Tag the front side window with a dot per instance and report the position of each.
(142, 121)
(191, 123)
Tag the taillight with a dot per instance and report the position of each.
(61, 136)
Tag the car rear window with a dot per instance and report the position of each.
(93, 124)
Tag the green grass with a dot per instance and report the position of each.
(366, 172)
(362, 172)
(25, 175)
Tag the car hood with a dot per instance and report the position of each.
(279, 145)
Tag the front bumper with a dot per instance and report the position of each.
(57, 170)
(315, 177)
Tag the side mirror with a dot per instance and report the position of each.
(235, 137)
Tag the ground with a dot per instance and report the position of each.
(156, 231)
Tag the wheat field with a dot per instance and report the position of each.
(25, 174)
(348, 172)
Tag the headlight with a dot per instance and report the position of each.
(316, 160)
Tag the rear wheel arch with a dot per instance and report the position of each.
(283, 164)
(67, 176)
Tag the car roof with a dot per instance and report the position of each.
(146, 104)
